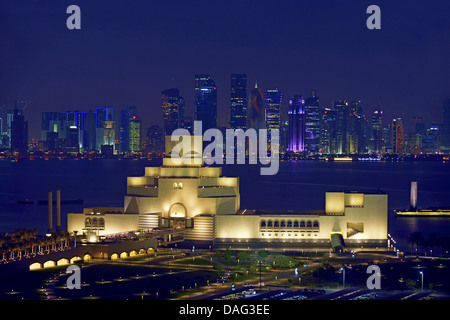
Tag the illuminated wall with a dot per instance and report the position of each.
(356, 222)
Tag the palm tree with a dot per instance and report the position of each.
(444, 243)
(3, 252)
(415, 238)
(432, 241)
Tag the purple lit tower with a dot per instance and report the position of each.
(296, 114)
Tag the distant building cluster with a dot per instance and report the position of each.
(306, 127)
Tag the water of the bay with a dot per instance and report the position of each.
(298, 185)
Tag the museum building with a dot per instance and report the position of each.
(204, 206)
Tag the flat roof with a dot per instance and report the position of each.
(281, 212)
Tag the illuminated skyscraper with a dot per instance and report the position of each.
(445, 144)
(387, 138)
(130, 130)
(173, 110)
(104, 132)
(205, 101)
(238, 118)
(71, 142)
(342, 115)
(49, 123)
(135, 134)
(397, 135)
(312, 124)
(377, 131)
(273, 99)
(256, 111)
(296, 114)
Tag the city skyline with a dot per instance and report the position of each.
(342, 129)
(317, 46)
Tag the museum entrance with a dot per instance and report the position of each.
(176, 223)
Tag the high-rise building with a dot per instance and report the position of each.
(356, 128)
(19, 133)
(418, 125)
(9, 119)
(89, 132)
(205, 101)
(387, 139)
(445, 133)
(109, 134)
(256, 110)
(342, 116)
(397, 135)
(173, 110)
(238, 118)
(328, 130)
(377, 132)
(130, 130)
(312, 124)
(431, 140)
(103, 132)
(72, 141)
(155, 139)
(61, 122)
(273, 99)
(135, 134)
(296, 114)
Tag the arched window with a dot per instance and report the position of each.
(289, 224)
(95, 223)
(263, 224)
(296, 224)
(309, 224)
(302, 224)
(269, 224)
(277, 224)
(175, 185)
(180, 185)
(283, 224)
(101, 223)
(316, 224)
(87, 223)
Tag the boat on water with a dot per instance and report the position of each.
(26, 201)
(75, 201)
(432, 212)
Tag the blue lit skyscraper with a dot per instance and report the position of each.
(238, 118)
(104, 127)
(312, 124)
(205, 101)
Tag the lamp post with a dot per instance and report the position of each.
(343, 277)
(421, 273)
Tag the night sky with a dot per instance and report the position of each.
(127, 52)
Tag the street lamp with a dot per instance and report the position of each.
(421, 273)
(343, 277)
